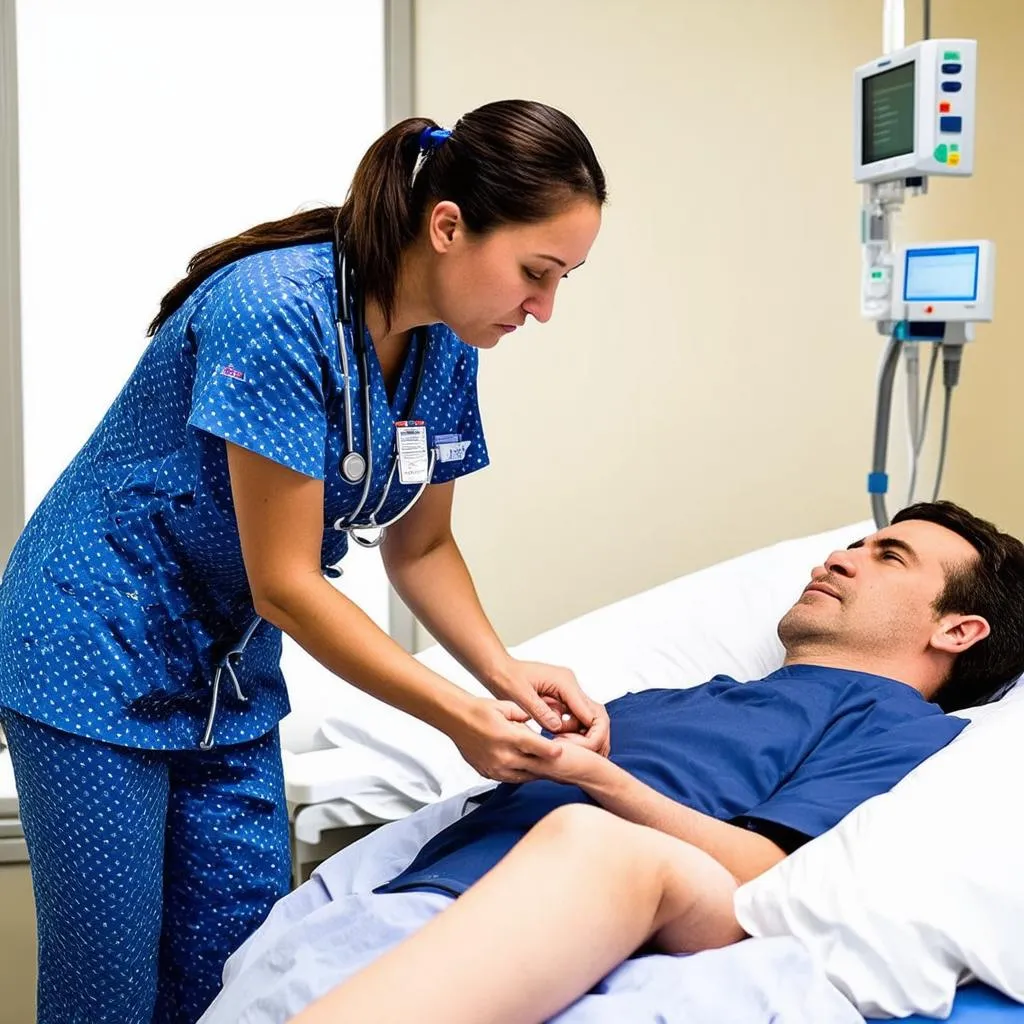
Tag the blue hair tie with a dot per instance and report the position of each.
(431, 138)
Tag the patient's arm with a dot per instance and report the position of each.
(746, 854)
(580, 893)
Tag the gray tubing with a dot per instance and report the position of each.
(882, 409)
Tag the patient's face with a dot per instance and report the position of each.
(877, 595)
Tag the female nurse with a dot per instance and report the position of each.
(274, 417)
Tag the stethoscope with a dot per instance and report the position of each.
(354, 466)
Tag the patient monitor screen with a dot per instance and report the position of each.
(941, 275)
(888, 114)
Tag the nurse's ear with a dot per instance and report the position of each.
(444, 226)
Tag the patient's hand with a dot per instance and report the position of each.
(541, 689)
(577, 765)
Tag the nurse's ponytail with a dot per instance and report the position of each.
(383, 210)
(510, 162)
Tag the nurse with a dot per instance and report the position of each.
(142, 610)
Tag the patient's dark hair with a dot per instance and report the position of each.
(991, 586)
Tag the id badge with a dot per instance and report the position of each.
(413, 456)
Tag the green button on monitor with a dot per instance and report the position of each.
(954, 148)
(951, 55)
(941, 152)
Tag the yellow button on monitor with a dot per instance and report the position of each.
(954, 159)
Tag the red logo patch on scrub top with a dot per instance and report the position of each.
(230, 371)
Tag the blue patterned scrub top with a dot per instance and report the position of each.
(127, 586)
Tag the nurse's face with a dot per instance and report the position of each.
(485, 286)
(877, 596)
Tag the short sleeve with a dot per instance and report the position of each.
(260, 369)
(836, 777)
(460, 444)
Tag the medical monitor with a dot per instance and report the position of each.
(888, 122)
(945, 281)
(914, 112)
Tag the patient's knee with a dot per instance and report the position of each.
(586, 826)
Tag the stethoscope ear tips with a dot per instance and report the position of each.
(353, 467)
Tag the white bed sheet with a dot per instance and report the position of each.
(332, 926)
(8, 795)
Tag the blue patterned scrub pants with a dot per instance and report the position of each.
(149, 868)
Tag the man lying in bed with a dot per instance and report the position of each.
(922, 617)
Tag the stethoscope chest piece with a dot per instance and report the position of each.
(353, 467)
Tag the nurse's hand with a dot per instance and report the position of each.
(549, 693)
(493, 737)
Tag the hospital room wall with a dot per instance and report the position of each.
(986, 457)
(705, 385)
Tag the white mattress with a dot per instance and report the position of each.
(8, 796)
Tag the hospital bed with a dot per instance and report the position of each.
(353, 763)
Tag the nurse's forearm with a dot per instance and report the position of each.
(344, 639)
(439, 591)
(280, 516)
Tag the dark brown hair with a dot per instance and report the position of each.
(991, 586)
(510, 162)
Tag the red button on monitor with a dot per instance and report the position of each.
(944, 108)
(929, 309)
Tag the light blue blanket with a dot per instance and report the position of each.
(333, 925)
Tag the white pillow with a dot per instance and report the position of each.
(341, 743)
(718, 620)
(918, 888)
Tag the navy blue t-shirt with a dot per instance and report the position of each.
(788, 755)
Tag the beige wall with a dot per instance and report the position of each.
(986, 457)
(706, 384)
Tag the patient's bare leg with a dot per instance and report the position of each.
(580, 893)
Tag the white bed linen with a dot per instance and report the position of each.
(8, 795)
(332, 926)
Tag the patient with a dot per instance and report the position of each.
(560, 879)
